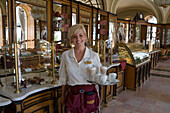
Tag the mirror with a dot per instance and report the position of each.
(3, 24)
(30, 23)
(61, 24)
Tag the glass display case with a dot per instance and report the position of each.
(134, 53)
(138, 63)
(34, 59)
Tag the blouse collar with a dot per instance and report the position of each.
(86, 55)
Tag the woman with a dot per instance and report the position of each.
(80, 96)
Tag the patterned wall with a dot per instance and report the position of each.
(38, 2)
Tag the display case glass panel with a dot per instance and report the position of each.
(124, 54)
(134, 53)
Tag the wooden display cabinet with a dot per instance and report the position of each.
(120, 76)
(154, 57)
(47, 101)
(39, 102)
(3, 103)
(109, 93)
(101, 94)
(2, 110)
(106, 93)
(165, 33)
(138, 63)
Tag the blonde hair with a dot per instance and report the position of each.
(74, 29)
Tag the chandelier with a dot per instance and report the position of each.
(37, 13)
(163, 3)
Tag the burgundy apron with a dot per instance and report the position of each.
(82, 99)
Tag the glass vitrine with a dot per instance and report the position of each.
(134, 53)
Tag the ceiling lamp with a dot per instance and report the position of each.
(37, 13)
(163, 3)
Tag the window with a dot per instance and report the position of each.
(1, 29)
(73, 18)
(151, 19)
(21, 20)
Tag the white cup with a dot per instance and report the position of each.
(97, 77)
(103, 78)
(112, 77)
(103, 70)
(92, 72)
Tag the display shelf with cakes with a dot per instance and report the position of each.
(31, 91)
(36, 59)
(138, 63)
(39, 60)
(7, 63)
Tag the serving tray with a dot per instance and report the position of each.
(106, 83)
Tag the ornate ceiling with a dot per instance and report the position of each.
(129, 8)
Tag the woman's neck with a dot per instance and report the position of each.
(79, 53)
(79, 49)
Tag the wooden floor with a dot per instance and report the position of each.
(152, 97)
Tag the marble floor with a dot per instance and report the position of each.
(162, 69)
(152, 97)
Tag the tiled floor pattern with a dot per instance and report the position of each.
(152, 97)
(163, 65)
(162, 69)
(160, 73)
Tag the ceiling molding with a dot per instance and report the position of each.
(146, 5)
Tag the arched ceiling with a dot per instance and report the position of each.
(95, 3)
(129, 8)
(123, 4)
(132, 7)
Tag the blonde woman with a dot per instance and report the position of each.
(80, 96)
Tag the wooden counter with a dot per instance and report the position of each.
(44, 98)
(38, 98)
(154, 57)
(4, 102)
(120, 76)
(135, 75)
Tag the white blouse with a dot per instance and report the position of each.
(73, 73)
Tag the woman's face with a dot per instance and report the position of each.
(79, 39)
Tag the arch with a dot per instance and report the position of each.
(167, 17)
(114, 6)
(104, 6)
(143, 5)
(157, 11)
(148, 17)
(30, 25)
(109, 4)
(2, 8)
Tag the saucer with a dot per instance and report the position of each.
(90, 81)
(109, 83)
(106, 83)
(114, 82)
